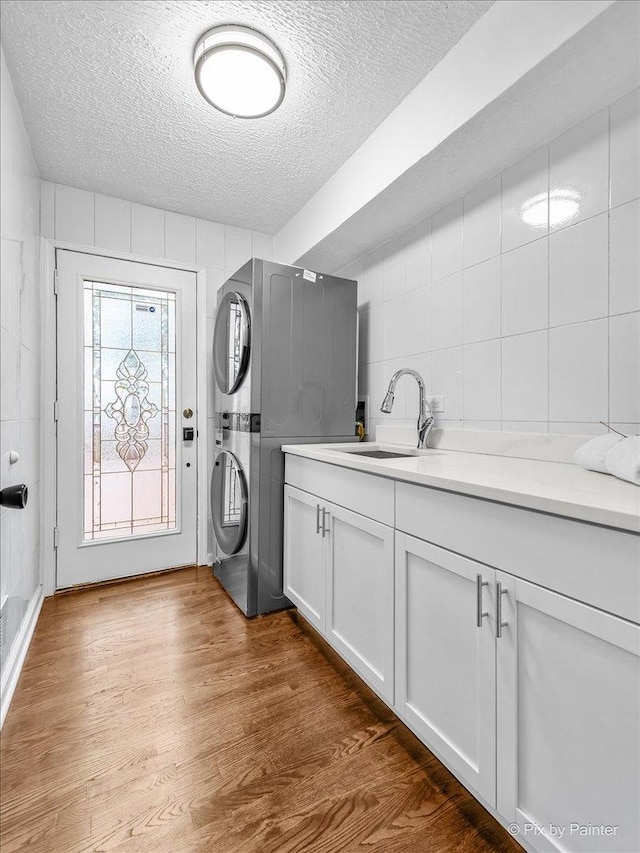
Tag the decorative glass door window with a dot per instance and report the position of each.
(129, 411)
(234, 342)
(232, 496)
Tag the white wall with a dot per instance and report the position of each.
(20, 364)
(115, 225)
(519, 327)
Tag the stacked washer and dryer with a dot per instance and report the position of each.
(285, 364)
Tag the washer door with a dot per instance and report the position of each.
(231, 342)
(229, 503)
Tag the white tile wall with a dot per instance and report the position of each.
(19, 362)
(481, 307)
(147, 231)
(446, 240)
(418, 256)
(525, 377)
(579, 160)
(624, 260)
(514, 322)
(113, 224)
(524, 292)
(180, 238)
(578, 372)
(237, 248)
(446, 312)
(117, 225)
(481, 380)
(210, 244)
(525, 188)
(74, 216)
(624, 358)
(625, 144)
(482, 223)
(578, 279)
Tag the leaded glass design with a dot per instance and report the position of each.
(129, 411)
(233, 342)
(232, 496)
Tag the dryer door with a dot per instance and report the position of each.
(229, 503)
(231, 342)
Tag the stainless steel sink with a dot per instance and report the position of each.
(380, 454)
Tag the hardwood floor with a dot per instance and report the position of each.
(152, 716)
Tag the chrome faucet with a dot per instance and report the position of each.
(425, 418)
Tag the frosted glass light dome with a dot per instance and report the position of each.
(239, 71)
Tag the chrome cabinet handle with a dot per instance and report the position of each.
(325, 515)
(499, 623)
(479, 612)
(318, 518)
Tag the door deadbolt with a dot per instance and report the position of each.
(187, 413)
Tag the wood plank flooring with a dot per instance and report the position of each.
(152, 716)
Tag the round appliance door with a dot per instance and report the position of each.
(231, 342)
(229, 503)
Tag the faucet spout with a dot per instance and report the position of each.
(425, 417)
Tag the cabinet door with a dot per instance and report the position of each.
(445, 660)
(304, 555)
(568, 688)
(360, 596)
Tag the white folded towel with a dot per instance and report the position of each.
(623, 460)
(592, 454)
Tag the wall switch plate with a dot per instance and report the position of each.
(436, 404)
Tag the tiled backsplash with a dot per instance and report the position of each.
(20, 364)
(116, 225)
(520, 303)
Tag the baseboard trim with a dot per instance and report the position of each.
(18, 654)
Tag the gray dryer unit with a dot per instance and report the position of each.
(285, 363)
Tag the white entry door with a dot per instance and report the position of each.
(127, 475)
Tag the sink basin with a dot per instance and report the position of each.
(380, 454)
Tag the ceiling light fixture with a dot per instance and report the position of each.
(239, 71)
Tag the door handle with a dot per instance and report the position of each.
(479, 612)
(317, 518)
(325, 529)
(499, 623)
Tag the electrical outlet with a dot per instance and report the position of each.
(436, 404)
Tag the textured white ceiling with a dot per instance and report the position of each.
(108, 97)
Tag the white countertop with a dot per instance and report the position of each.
(555, 487)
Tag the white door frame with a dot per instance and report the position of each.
(48, 443)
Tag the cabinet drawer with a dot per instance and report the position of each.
(365, 494)
(596, 565)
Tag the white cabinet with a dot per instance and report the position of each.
(304, 555)
(445, 658)
(568, 706)
(359, 622)
(338, 571)
(530, 696)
